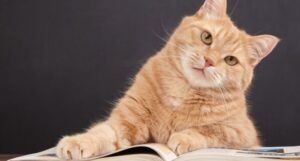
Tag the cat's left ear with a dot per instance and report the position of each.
(213, 9)
(261, 46)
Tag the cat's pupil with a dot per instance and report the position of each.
(208, 37)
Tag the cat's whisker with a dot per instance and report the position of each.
(234, 7)
(215, 79)
(228, 94)
(161, 38)
(168, 42)
(164, 28)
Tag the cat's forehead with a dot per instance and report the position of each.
(218, 28)
(222, 28)
(225, 32)
(226, 36)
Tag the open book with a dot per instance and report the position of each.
(159, 152)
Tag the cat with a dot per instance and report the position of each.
(190, 95)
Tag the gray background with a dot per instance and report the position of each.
(64, 62)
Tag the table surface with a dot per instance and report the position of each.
(5, 157)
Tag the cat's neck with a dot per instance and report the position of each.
(177, 92)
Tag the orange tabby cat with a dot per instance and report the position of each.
(190, 95)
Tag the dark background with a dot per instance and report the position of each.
(64, 62)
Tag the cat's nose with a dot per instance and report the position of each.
(209, 62)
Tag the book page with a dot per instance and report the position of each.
(165, 153)
(254, 153)
(132, 157)
(283, 149)
(227, 158)
(48, 154)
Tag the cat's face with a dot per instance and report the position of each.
(213, 52)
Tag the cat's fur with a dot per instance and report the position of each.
(185, 96)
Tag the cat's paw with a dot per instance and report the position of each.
(77, 147)
(182, 143)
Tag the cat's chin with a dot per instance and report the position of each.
(198, 78)
(201, 83)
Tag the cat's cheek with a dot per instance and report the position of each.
(195, 79)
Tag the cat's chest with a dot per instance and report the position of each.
(170, 119)
(173, 102)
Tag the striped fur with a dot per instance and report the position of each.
(170, 103)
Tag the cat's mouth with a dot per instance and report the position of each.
(197, 74)
(199, 71)
(203, 74)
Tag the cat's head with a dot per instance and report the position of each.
(213, 52)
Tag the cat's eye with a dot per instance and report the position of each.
(231, 60)
(206, 38)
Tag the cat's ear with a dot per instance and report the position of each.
(261, 46)
(213, 9)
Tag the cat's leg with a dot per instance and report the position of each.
(125, 127)
(186, 141)
(97, 140)
(213, 136)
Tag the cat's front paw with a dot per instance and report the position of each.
(77, 147)
(182, 143)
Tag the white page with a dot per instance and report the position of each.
(164, 152)
(285, 149)
(240, 153)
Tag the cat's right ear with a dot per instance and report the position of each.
(261, 47)
(213, 9)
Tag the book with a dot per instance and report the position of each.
(159, 152)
